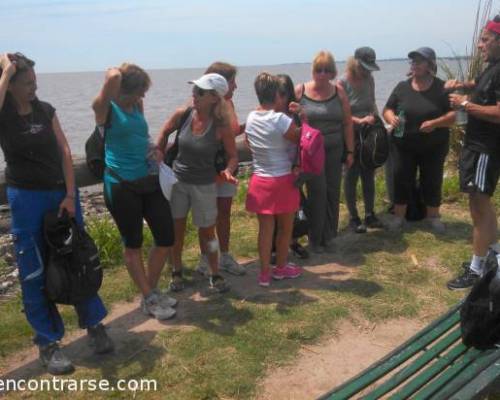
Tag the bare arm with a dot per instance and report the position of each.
(109, 91)
(390, 117)
(170, 125)
(486, 113)
(227, 135)
(347, 121)
(68, 202)
(8, 71)
(293, 133)
(444, 121)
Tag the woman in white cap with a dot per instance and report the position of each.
(200, 129)
(421, 139)
(359, 86)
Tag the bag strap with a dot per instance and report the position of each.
(182, 121)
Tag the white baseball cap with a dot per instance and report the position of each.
(212, 82)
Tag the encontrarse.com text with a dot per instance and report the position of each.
(74, 385)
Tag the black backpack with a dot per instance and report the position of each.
(94, 148)
(73, 272)
(373, 148)
(480, 312)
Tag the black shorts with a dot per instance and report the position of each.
(479, 172)
(129, 209)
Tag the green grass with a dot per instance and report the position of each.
(229, 343)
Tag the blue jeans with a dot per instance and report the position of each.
(27, 210)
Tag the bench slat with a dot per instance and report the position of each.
(415, 366)
(429, 373)
(470, 376)
(396, 357)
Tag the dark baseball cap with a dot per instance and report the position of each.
(425, 52)
(366, 57)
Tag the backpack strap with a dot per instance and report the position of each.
(182, 121)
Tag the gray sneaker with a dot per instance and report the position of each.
(203, 268)
(153, 307)
(99, 339)
(56, 362)
(395, 224)
(165, 299)
(436, 225)
(228, 263)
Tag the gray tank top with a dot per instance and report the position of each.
(325, 115)
(195, 160)
(361, 99)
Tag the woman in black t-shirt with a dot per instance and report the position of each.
(421, 139)
(39, 176)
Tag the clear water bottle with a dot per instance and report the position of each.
(461, 117)
(399, 131)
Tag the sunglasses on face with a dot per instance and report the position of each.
(323, 70)
(199, 92)
(416, 61)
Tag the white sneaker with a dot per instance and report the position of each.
(154, 308)
(203, 267)
(228, 263)
(165, 299)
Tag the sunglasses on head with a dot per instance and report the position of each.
(199, 92)
(323, 70)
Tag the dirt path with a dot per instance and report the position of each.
(321, 367)
(317, 369)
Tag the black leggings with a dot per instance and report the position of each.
(429, 161)
(128, 209)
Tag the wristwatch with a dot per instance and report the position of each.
(464, 103)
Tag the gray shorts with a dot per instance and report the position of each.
(226, 189)
(202, 199)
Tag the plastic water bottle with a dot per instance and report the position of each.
(461, 116)
(399, 131)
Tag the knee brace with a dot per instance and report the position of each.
(213, 246)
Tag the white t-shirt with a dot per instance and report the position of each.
(272, 154)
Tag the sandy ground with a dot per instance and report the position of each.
(326, 365)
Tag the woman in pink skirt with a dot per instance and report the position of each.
(272, 137)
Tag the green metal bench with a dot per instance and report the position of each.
(433, 364)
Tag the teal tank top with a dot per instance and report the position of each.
(126, 145)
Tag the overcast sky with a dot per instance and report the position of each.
(89, 35)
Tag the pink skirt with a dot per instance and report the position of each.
(272, 195)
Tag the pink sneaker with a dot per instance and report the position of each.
(265, 278)
(289, 271)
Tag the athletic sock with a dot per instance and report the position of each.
(477, 264)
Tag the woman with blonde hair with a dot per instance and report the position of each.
(201, 129)
(327, 108)
(127, 144)
(360, 88)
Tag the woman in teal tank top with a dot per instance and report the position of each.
(126, 156)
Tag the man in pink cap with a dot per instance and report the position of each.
(480, 156)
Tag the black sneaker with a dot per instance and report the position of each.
(218, 284)
(464, 281)
(357, 226)
(55, 360)
(99, 339)
(177, 282)
(371, 221)
(299, 250)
